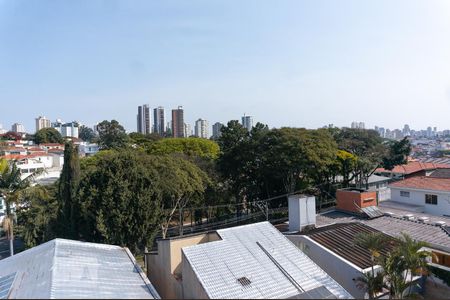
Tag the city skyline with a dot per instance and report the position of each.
(300, 64)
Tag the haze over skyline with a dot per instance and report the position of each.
(299, 63)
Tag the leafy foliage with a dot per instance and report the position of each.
(48, 135)
(68, 208)
(112, 135)
(86, 134)
(189, 146)
(36, 215)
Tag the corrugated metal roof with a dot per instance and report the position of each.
(71, 269)
(257, 253)
(340, 238)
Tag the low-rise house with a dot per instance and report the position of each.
(411, 169)
(328, 237)
(70, 269)
(246, 262)
(88, 149)
(429, 194)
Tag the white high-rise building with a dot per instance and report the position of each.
(201, 129)
(18, 128)
(187, 130)
(358, 125)
(2, 130)
(216, 130)
(247, 122)
(42, 122)
(144, 119)
(70, 129)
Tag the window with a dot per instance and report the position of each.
(431, 199)
(404, 194)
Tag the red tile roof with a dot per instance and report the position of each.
(52, 145)
(424, 183)
(413, 167)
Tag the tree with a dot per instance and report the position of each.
(11, 185)
(191, 147)
(86, 134)
(398, 152)
(68, 206)
(394, 268)
(36, 215)
(12, 136)
(112, 135)
(370, 152)
(374, 243)
(347, 163)
(48, 135)
(182, 183)
(415, 258)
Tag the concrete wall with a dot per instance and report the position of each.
(340, 269)
(164, 269)
(417, 197)
(192, 288)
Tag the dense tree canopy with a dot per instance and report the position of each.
(189, 146)
(112, 135)
(48, 135)
(86, 134)
(122, 198)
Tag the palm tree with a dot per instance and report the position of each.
(394, 268)
(374, 242)
(11, 184)
(415, 258)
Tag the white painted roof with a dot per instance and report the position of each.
(71, 269)
(218, 266)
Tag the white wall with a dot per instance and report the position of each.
(341, 270)
(417, 197)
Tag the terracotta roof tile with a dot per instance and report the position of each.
(424, 183)
(413, 167)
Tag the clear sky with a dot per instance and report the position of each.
(287, 63)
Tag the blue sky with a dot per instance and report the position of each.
(287, 63)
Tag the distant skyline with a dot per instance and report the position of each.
(289, 63)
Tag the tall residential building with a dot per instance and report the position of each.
(2, 130)
(201, 128)
(159, 123)
(178, 128)
(358, 125)
(247, 122)
(216, 130)
(143, 119)
(187, 130)
(17, 127)
(406, 130)
(42, 122)
(58, 125)
(70, 129)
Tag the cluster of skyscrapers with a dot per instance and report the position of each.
(177, 127)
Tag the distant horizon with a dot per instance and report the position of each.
(292, 63)
(211, 123)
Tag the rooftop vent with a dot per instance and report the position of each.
(244, 281)
(423, 219)
(439, 223)
(408, 217)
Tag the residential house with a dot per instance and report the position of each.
(71, 269)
